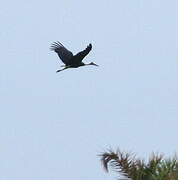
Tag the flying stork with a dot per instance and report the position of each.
(67, 57)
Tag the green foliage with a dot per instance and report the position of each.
(126, 164)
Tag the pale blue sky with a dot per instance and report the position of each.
(54, 125)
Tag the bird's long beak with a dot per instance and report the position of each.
(95, 64)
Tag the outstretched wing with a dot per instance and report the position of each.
(64, 54)
(79, 56)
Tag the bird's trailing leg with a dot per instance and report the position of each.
(66, 67)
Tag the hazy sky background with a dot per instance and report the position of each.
(53, 126)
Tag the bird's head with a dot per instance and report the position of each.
(92, 63)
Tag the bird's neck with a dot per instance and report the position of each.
(88, 64)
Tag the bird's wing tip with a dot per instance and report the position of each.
(55, 45)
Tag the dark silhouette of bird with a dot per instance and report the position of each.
(67, 57)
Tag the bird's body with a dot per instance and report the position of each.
(67, 57)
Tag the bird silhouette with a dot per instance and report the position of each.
(67, 57)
